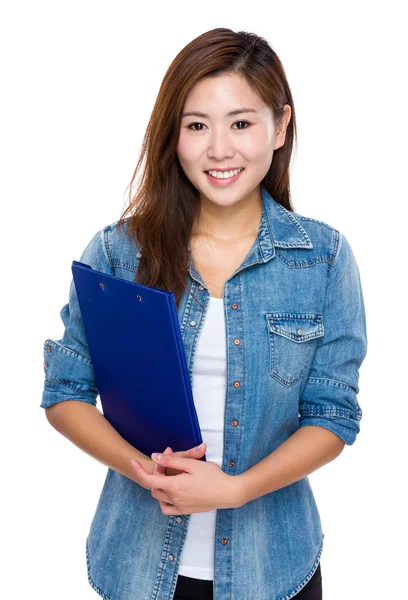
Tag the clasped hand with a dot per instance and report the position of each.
(197, 486)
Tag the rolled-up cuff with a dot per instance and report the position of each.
(333, 405)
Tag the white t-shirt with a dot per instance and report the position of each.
(209, 381)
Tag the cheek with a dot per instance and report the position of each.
(257, 148)
(187, 150)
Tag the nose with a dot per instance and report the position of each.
(220, 145)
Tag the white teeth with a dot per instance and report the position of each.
(225, 174)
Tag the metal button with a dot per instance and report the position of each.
(237, 342)
(234, 423)
(201, 287)
(171, 557)
(193, 323)
(178, 519)
(237, 384)
(299, 331)
(234, 306)
(224, 541)
(231, 463)
(45, 364)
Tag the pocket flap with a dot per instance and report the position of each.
(298, 327)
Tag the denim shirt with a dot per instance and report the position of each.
(295, 331)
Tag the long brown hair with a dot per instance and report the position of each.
(166, 204)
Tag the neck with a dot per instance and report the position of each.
(229, 224)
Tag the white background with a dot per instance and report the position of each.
(79, 80)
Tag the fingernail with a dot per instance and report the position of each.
(156, 456)
(200, 447)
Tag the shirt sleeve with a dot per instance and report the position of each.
(329, 397)
(68, 369)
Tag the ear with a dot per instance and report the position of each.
(280, 134)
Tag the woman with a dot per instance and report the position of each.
(272, 318)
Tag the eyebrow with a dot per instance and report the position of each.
(195, 113)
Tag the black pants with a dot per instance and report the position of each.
(189, 588)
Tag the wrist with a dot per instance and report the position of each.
(149, 465)
(239, 491)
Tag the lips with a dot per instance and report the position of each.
(223, 170)
(221, 181)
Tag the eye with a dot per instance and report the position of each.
(197, 123)
(246, 122)
(191, 125)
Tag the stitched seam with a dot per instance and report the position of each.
(312, 410)
(74, 386)
(67, 351)
(291, 217)
(335, 253)
(334, 382)
(301, 263)
(91, 581)
(241, 433)
(306, 579)
(117, 263)
(106, 246)
(303, 218)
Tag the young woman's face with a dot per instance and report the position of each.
(215, 140)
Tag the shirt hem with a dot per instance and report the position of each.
(90, 580)
(291, 594)
(308, 577)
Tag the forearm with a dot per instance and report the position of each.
(86, 427)
(308, 449)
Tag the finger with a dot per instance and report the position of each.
(158, 468)
(171, 509)
(186, 465)
(139, 469)
(175, 461)
(197, 450)
(150, 480)
(159, 494)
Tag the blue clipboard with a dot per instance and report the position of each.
(139, 362)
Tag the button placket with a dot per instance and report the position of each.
(237, 385)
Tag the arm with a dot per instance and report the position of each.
(308, 449)
(70, 391)
(329, 413)
(86, 427)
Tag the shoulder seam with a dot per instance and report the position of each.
(336, 246)
(104, 233)
(302, 218)
(111, 225)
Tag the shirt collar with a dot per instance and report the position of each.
(279, 227)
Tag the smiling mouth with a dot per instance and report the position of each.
(234, 174)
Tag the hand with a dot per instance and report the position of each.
(152, 467)
(200, 487)
(195, 452)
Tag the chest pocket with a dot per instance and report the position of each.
(292, 337)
